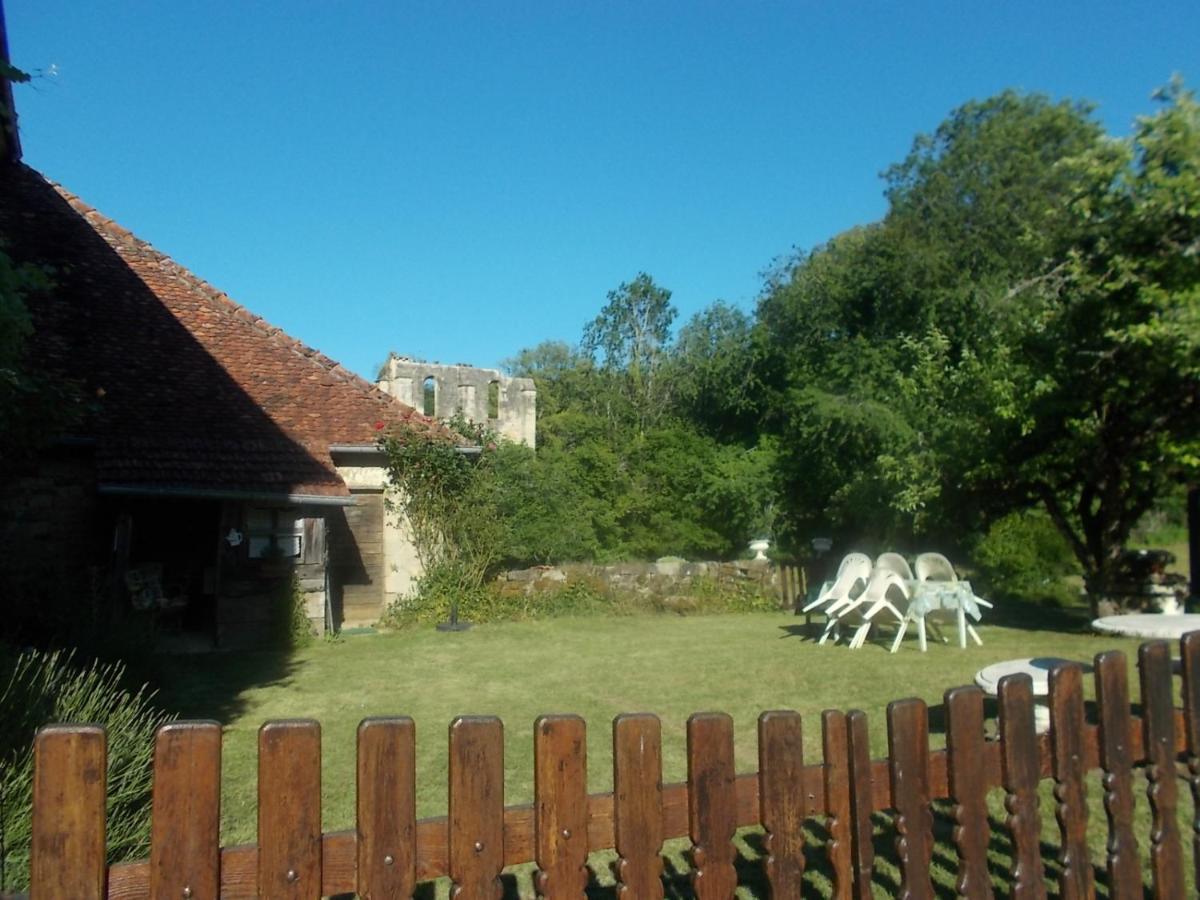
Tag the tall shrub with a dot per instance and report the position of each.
(447, 496)
(37, 688)
(1023, 556)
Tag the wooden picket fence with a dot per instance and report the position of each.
(390, 850)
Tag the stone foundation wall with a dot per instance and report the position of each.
(48, 514)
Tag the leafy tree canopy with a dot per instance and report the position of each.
(1019, 329)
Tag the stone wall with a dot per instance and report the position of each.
(48, 515)
(668, 578)
(484, 396)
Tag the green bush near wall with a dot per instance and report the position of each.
(290, 617)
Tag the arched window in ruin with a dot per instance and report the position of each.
(429, 396)
(493, 399)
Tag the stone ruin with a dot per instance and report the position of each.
(484, 396)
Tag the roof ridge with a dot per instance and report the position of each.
(117, 232)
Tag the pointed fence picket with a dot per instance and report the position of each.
(834, 802)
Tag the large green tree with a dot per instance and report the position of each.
(1107, 377)
(1019, 329)
(714, 373)
(630, 337)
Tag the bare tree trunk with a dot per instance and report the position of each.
(1095, 574)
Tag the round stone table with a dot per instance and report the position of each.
(1038, 669)
(1148, 625)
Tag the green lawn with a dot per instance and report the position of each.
(597, 667)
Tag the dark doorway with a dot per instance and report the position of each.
(172, 568)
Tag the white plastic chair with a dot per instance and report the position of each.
(892, 608)
(853, 571)
(935, 567)
(894, 562)
(862, 609)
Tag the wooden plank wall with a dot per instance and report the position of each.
(356, 559)
(838, 798)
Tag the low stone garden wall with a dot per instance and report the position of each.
(670, 581)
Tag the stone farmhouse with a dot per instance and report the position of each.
(217, 455)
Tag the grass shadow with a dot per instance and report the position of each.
(214, 685)
(1025, 616)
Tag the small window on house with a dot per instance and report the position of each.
(273, 533)
(493, 399)
(429, 396)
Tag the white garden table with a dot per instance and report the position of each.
(932, 596)
(1038, 669)
(1148, 625)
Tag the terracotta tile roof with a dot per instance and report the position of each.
(191, 390)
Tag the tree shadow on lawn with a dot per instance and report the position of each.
(802, 630)
(1017, 614)
(1026, 616)
(213, 685)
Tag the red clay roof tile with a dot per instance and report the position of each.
(194, 391)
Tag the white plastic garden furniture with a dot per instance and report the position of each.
(859, 612)
(852, 575)
(894, 562)
(891, 611)
(944, 605)
(934, 567)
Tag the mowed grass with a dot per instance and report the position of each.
(596, 667)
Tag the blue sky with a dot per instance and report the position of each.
(456, 181)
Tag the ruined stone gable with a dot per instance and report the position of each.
(506, 405)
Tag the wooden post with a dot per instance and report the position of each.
(1190, 652)
(476, 807)
(781, 800)
(289, 809)
(67, 851)
(1019, 755)
(835, 740)
(560, 806)
(968, 790)
(638, 806)
(387, 808)
(185, 844)
(908, 750)
(1116, 758)
(862, 804)
(1158, 711)
(712, 805)
(1067, 725)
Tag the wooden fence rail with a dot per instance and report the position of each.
(389, 851)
